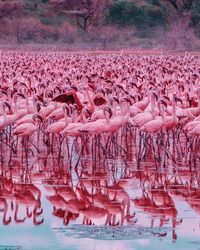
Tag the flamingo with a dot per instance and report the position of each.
(58, 126)
(27, 129)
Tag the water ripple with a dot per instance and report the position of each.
(2, 247)
(111, 233)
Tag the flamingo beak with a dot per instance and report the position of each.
(177, 99)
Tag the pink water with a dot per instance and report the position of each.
(150, 207)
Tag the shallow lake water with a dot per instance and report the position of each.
(118, 207)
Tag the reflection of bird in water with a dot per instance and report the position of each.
(24, 196)
(66, 192)
(57, 201)
(158, 202)
(4, 209)
(92, 212)
(65, 215)
(19, 198)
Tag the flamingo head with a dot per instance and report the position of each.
(74, 88)
(37, 106)
(7, 105)
(177, 99)
(37, 118)
(164, 103)
(166, 98)
(108, 110)
(114, 99)
(39, 98)
(87, 112)
(155, 96)
(66, 109)
(21, 95)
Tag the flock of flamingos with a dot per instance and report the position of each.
(106, 103)
(94, 114)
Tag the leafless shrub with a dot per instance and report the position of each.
(68, 33)
(179, 35)
(111, 36)
(18, 30)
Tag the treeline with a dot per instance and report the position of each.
(174, 24)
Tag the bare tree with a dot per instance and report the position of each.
(178, 16)
(89, 12)
(84, 15)
(7, 8)
(181, 5)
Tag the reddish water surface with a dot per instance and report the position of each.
(51, 201)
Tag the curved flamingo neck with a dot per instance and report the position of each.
(66, 118)
(162, 113)
(15, 103)
(5, 220)
(83, 117)
(27, 101)
(174, 111)
(4, 114)
(16, 214)
(91, 103)
(153, 107)
(126, 114)
(114, 108)
(106, 117)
